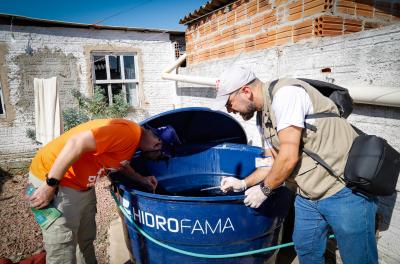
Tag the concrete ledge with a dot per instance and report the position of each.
(118, 252)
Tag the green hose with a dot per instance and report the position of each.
(193, 254)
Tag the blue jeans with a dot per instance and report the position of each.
(350, 216)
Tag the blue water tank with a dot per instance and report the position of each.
(182, 216)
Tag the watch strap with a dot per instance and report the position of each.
(265, 189)
(52, 181)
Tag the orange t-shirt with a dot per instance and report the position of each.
(116, 141)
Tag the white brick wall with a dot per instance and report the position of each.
(370, 59)
(60, 52)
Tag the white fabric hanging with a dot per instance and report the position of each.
(47, 109)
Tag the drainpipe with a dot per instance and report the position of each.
(387, 96)
(167, 75)
(375, 95)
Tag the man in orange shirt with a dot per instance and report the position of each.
(65, 170)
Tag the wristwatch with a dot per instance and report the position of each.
(52, 181)
(265, 189)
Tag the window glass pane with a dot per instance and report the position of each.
(103, 89)
(115, 69)
(116, 88)
(1, 106)
(1, 102)
(131, 94)
(129, 65)
(100, 67)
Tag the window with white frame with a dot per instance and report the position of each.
(116, 73)
(2, 109)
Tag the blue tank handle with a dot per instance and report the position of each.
(193, 254)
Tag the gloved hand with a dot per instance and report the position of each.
(254, 197)
(231, 183)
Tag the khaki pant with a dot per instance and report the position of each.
(70, 238)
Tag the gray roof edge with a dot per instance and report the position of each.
(19, 20)
(204, 10)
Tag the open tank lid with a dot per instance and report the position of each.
(200, 125)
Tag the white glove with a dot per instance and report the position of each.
(254, 197)
(231, 183)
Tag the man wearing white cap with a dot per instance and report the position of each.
(323, 202)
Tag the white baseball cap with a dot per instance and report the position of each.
(230, 81)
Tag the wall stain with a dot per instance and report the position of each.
(45, 63)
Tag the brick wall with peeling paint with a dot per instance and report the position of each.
(29, 52)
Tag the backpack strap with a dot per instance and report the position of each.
(271, 88)
(321, 115)
(318, 115)
(318, 159)
(358, 131)
(311, 116)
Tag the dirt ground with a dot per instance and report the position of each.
(21, 236)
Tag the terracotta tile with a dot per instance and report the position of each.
(297, 38)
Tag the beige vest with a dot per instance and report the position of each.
(331, 141)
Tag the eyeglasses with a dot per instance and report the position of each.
(229, 101)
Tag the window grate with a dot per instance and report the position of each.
(116, 73)
(179, 48)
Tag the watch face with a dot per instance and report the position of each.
(265, 189)
(51, 181)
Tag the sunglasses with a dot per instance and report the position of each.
(229, 101)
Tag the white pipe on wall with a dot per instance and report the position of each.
(190, 79)
(167, 75)
(375, 95)
(175, 64)
(366, 95)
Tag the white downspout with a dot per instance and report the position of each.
(376, 95)
(387, 96)
(167, 75)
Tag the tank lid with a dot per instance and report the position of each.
(200, 125)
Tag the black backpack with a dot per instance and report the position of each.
(373, 166)
(339, 95)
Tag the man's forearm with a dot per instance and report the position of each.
(273, 177)
(280, 171)
(287, 157)
(71, 152)
(257, 176)
(261, 173)
(68, 155)
(130, 173)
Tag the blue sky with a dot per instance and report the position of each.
(157, 14)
